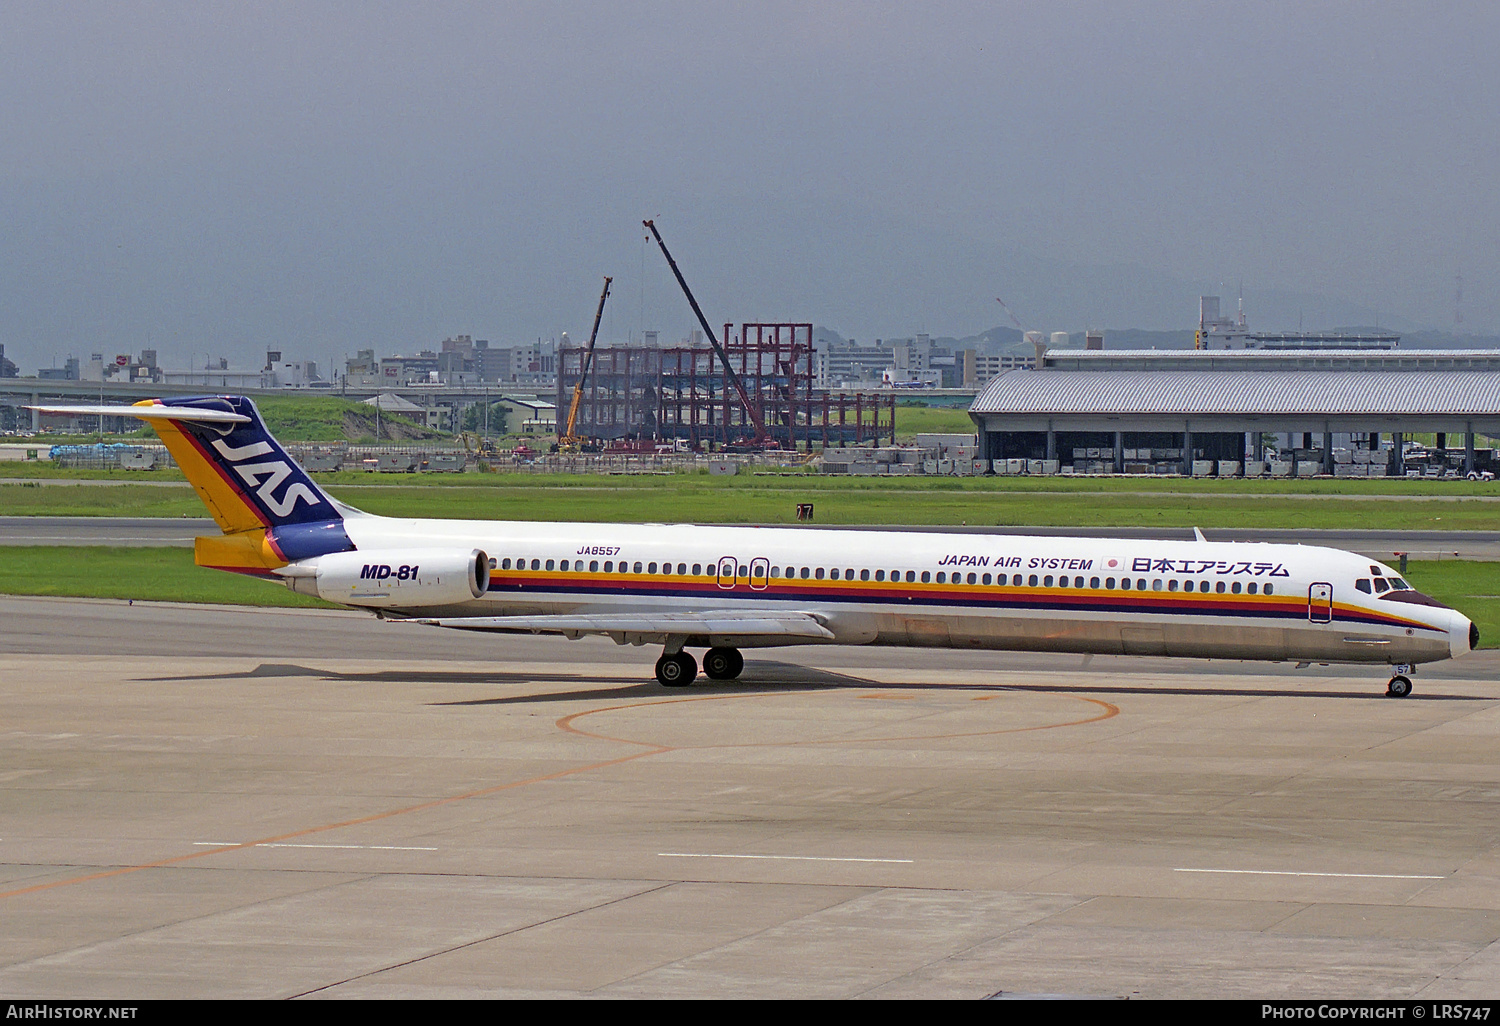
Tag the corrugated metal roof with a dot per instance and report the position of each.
(1389, 360)
(1333, 393)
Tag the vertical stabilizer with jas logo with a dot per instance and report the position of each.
(270, 511)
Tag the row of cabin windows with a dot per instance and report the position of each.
(895, 576)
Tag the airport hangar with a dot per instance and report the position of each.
(1218, 404)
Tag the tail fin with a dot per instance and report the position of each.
(270, 511)
(242, 474)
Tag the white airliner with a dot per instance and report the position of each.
(724, 589)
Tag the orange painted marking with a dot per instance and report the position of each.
(424, 806)
(567, 723)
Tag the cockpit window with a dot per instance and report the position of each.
(1399, 585)
(1363, 585)
(1381, 585)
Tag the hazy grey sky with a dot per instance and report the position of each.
(220, 177)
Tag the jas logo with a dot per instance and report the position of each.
(266, 477)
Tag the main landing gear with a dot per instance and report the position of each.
(723, 663)
(678, 669)
(1400, 685)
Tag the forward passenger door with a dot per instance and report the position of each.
(1320, 603)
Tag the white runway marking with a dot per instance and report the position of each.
(789, 858)
(1285, 872)
(360, 847)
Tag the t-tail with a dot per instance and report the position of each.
(270, 511)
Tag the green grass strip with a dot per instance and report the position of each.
(154, 574)
(773, 501)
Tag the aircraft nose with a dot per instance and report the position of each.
(1463, 636)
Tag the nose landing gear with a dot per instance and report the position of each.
(1400, 685)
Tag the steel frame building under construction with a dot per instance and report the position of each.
(680, 393)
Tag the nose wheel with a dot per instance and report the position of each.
(1399, 687)
(676, 670)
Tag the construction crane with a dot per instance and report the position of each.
(1012, 316)
(751, 410)
(568, 441)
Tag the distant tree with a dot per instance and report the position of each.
(474, 418)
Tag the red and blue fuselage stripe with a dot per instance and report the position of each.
(1179, 604)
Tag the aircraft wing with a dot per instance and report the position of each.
(723, 625)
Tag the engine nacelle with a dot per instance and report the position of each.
(386, 578)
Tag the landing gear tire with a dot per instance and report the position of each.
(723, 663)
(1399, 687)
(676, 671)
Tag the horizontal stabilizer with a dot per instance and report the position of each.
(192, 413)
(718, 623)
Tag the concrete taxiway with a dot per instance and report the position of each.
(213, 802)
